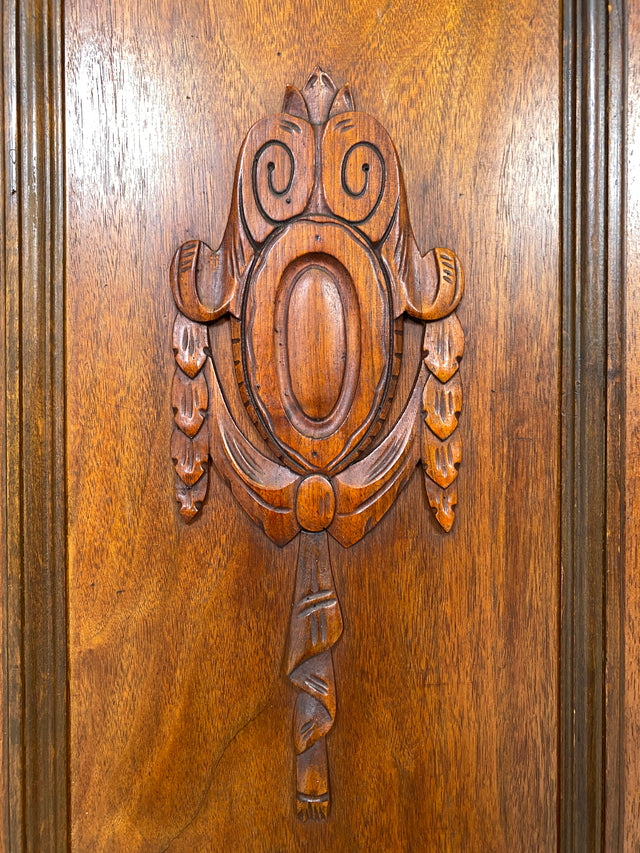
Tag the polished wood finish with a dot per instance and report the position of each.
(469, 643)
(176, 652)
(628, 816)
(33, 531)
(593, 416)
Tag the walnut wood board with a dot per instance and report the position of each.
(597, 674)
(628, 817)
(180, 712)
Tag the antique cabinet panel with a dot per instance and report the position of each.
(479, 672)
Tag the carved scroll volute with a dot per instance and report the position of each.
(317, 268)
(276, 170)
(361, 176)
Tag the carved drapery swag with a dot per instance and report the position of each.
(317, 268)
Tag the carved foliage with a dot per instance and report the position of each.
(190, 400)
(443, 347)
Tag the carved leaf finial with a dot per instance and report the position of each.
(319, 92)
(319, 100)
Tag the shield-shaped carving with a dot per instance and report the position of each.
(317, 268)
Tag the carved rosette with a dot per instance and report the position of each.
(317, 268)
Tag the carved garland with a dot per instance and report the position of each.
(318, 248)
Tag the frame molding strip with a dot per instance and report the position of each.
(594, 75)
(34, 747)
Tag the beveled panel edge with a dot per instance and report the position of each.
(592, 424)
(32, 467)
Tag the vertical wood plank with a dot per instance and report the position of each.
(447, 668)
(631, 613)
(32, 462)
(32, 449)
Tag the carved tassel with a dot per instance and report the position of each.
(315, 626)
(190, 401)
(441, 404)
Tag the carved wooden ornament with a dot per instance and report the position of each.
(317, 268)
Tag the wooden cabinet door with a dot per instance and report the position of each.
(478, 672)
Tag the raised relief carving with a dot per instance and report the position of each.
(316, 270)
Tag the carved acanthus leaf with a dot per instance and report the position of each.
(441, 458)
(443, 347)
(190, 342)
(442, 502)
(191, 499)
(189, 398)
(441, 404)
(190, 455)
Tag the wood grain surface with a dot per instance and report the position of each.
(629, 818)
(446, 734)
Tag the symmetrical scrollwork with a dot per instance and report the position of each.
(317, 268)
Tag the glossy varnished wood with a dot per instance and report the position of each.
(34, 788)
(156, 92)
(593, 426)
(317, 314)
(177, 637)
(630, 745)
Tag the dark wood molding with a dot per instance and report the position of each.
(616, 428)
(593, 105)
(33, 436)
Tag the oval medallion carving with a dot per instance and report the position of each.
(315, 326)
(317, 268)
(304, 338)
(317, 343)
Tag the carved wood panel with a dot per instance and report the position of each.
(317, 268)
(446, 671)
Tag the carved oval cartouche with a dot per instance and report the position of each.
(316, 343)
(316, 340)
(314, 364)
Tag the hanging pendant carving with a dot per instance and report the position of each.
(317, 268)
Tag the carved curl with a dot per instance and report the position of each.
(361, 176)
(276, 170)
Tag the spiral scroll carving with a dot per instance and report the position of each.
(359, 159)
(360, 169)
(276, 169)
